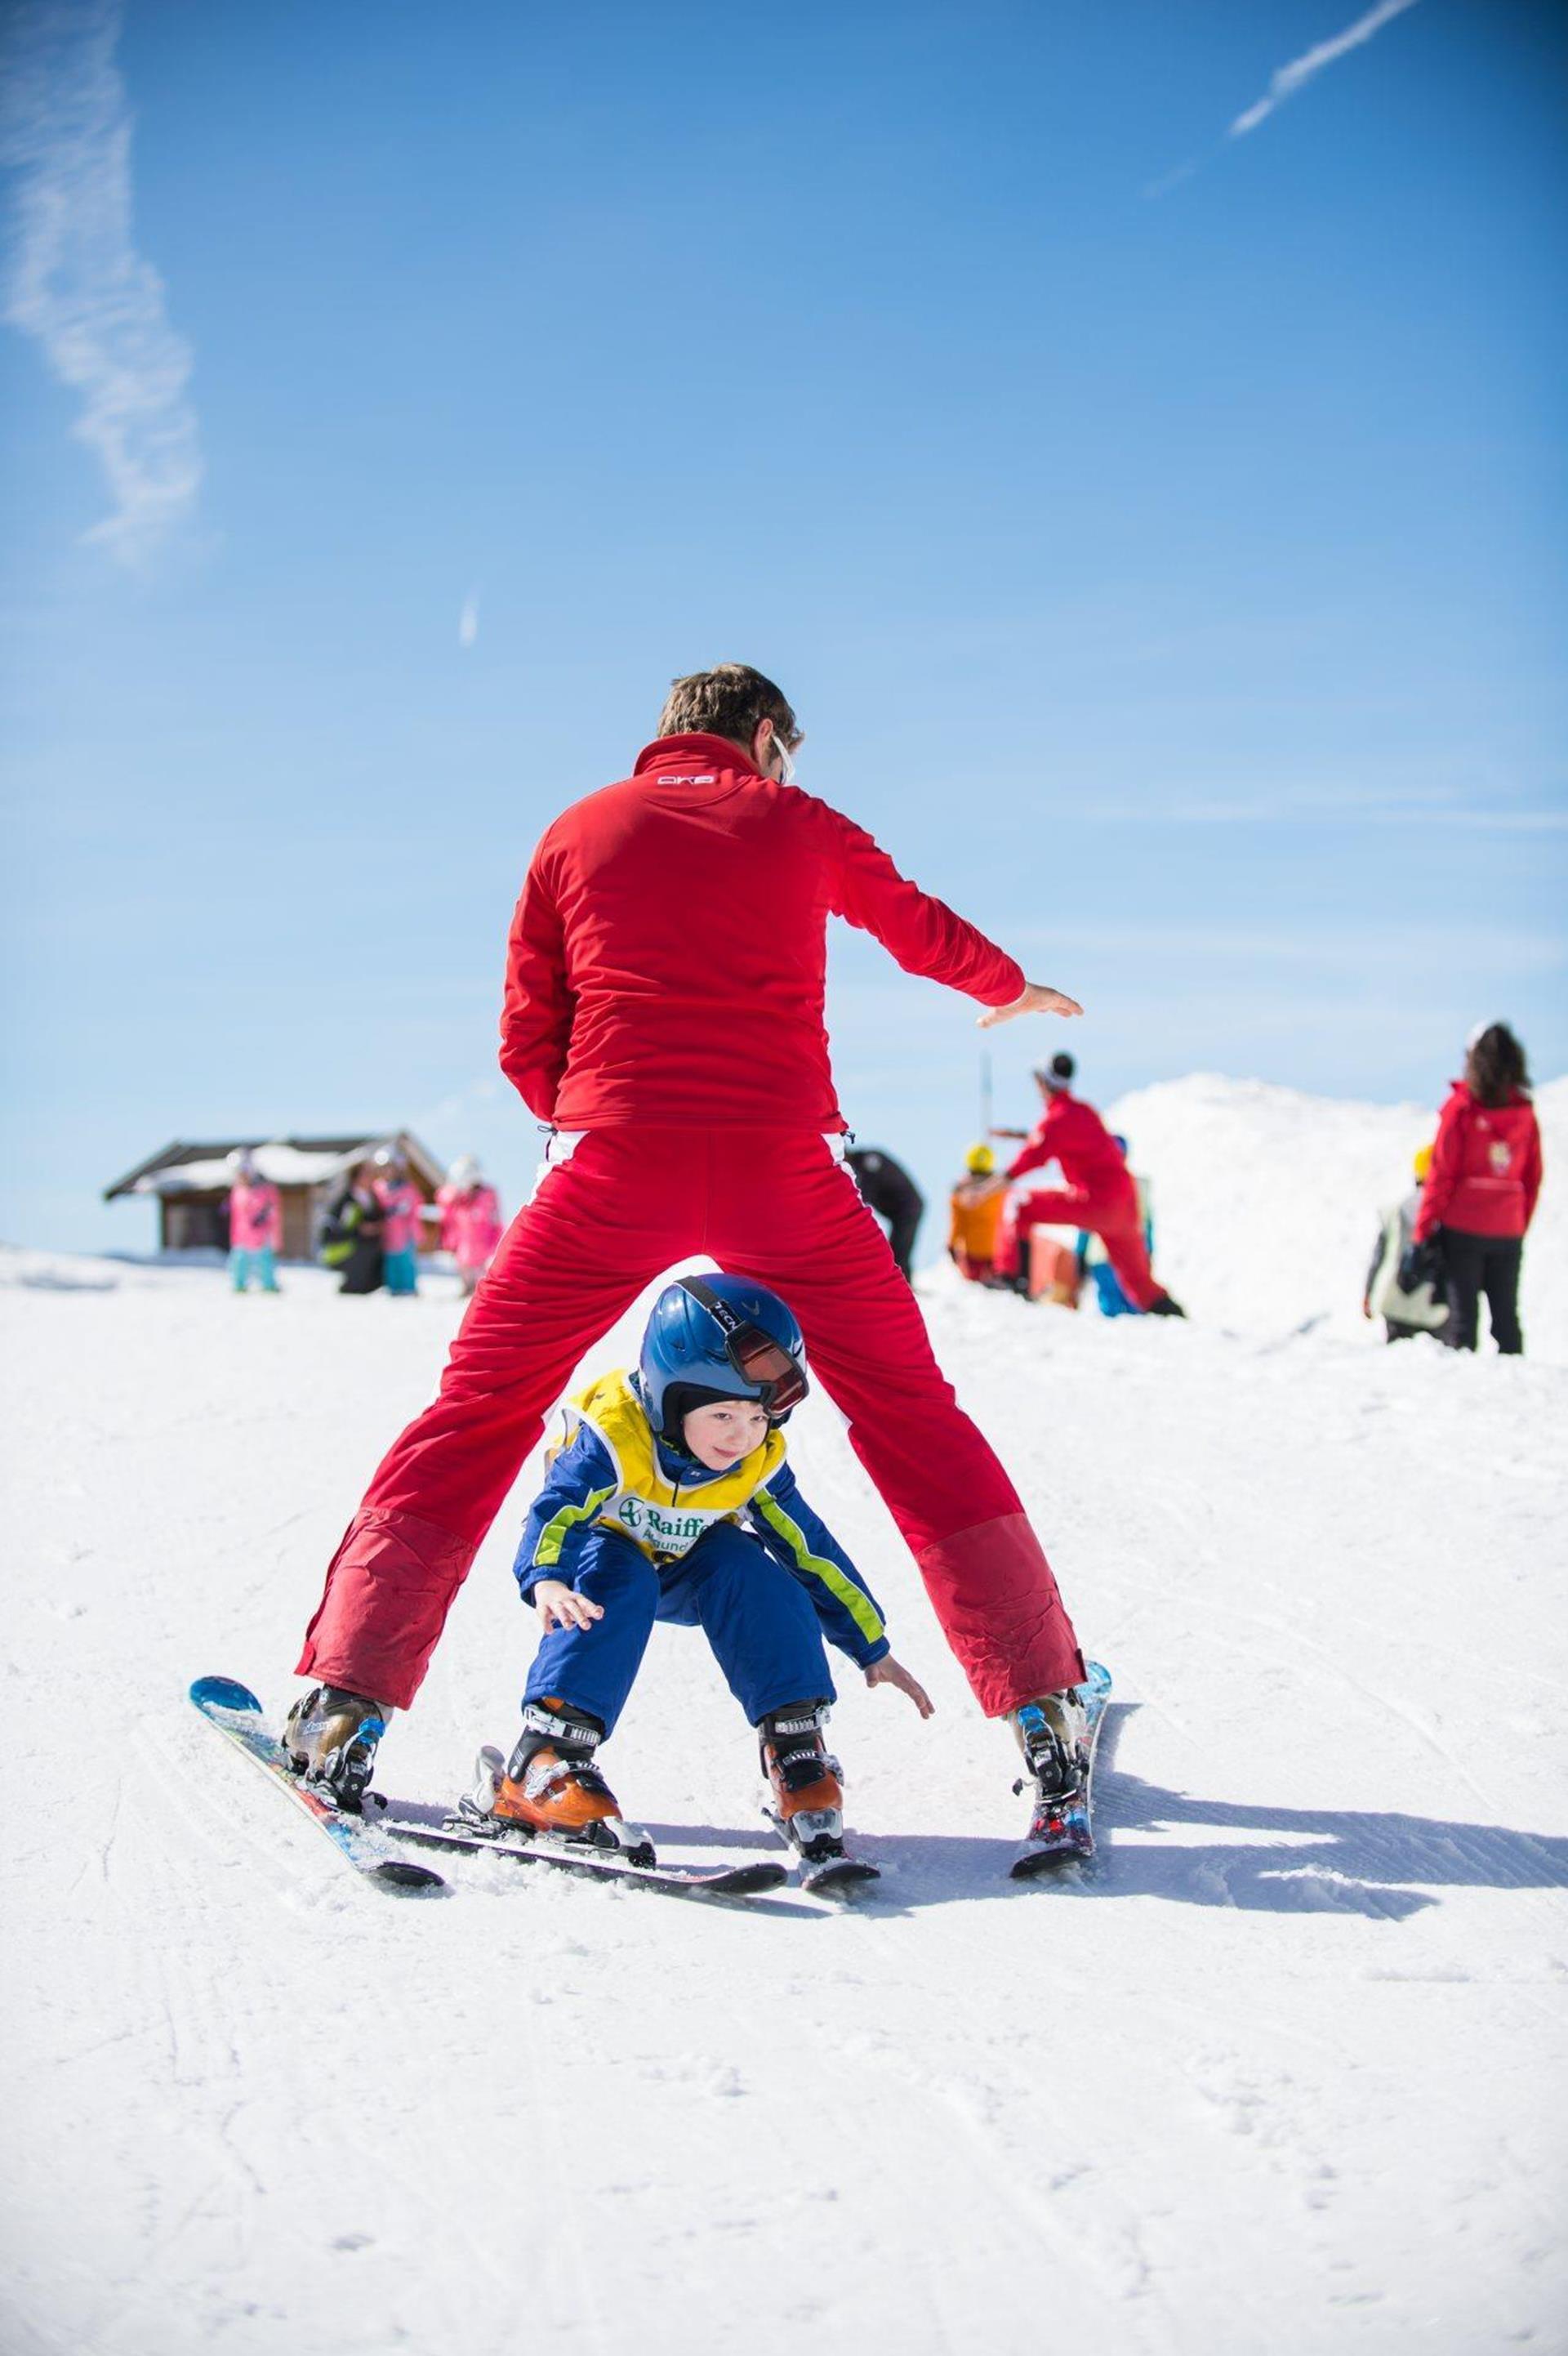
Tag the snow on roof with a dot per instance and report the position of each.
(184, 1168)
(285, 1165)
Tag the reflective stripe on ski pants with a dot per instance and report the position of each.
(622, 1207)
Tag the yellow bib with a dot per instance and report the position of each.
(664, 1518)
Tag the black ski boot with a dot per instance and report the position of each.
(329, 1738)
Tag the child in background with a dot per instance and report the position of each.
(471, 1224)
(1422, 1307)
(670, 1498)
(400, 1206)
(255, 1225)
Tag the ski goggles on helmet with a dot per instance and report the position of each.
(764, 1366)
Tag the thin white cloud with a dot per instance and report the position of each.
(468, 620)
(1169, 180)
(1303, 70)
(74, 279)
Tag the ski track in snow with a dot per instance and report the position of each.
(1276, 2071)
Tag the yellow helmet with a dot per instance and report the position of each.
(980, 1161)
(1423, 1164)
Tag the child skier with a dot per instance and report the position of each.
(471, 1224)
(255, 1225)
(1422, 1307)
(671, 1499)
(401, 1206)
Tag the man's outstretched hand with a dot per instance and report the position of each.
(1035, 1000)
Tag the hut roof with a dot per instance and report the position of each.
(183, 1168)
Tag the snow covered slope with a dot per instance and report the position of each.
(1281, 2071)
(1267, 1202)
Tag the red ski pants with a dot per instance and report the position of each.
(607, 1219)
(1112, 1214)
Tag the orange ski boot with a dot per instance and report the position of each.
(807, 1792)
(550, 1789)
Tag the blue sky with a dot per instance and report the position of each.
(1133, 436)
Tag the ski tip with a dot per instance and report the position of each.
(744, 1880)
(1098, 1680)
(1036, 1862)
(413, 1880)
(224, 1693)
(840, 1880)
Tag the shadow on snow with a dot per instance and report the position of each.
(1271, 1860)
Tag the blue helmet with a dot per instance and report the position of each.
(713, 1337)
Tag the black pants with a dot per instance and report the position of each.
(1478, 1264)
(902, 1228)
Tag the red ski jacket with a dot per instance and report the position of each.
(1074, 1134)
(668, 955)
(1486, 1168)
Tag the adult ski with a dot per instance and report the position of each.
(233, 1710)
(1067, 1829)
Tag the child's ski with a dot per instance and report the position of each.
(1067, 1830)
(233, 1710)
(836, 1876)
(826, 1868)
(682, 1882)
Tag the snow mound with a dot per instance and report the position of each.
(1267, 1202)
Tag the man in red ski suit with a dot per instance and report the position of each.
(1100, 1192)
(663, 1014)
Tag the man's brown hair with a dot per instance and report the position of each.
(727, 701)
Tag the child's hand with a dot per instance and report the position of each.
(560, 1606)
(889, 1672)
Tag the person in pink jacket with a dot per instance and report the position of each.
(1480, 1191)
(255, 1225)
(470, 1223)
(399, 1199)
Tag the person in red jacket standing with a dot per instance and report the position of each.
(1100, 1192)
(1480, 1191)
(664, 1016)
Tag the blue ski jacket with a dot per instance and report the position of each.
(612, 1472)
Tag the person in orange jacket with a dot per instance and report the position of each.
(975, 1216)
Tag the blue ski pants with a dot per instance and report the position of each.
(765, 1634)
(241, 1263)
(401, 1271)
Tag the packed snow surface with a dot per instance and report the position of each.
(1281, 2069)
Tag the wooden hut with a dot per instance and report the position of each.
(190, 1184)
